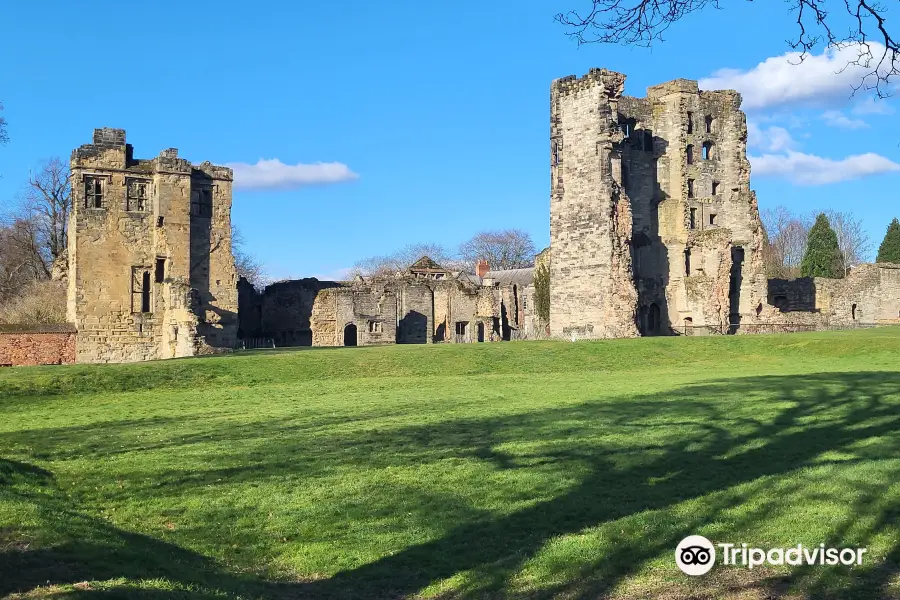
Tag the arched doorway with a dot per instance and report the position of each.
(350, 335)
(480, 330)
(653, 319)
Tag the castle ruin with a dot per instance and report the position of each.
(653, 225)
(151, 274)
(654, 230)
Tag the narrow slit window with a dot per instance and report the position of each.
(693, 218)
(687, 261)
(690, 154)
(690, 188)
(709, 123)
(690, 122)
(715, 188)
(160, 273)
(140, 290)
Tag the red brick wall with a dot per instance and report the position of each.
(36, 348)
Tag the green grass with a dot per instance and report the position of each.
(517, 470)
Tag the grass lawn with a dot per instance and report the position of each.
(516, 470)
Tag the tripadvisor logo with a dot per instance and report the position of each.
(696, 555)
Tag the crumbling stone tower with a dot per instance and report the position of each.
(652, 218)
(151, 273)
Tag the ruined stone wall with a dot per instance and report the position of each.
(151, 273)
(372, 309)
(870, 294)
(212, 268)
(415, 308)
(286, 310)
(592, 293)
(37, 346)
(308, 312)
(697, 232)
(464, 313)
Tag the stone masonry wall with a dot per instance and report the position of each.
(652, 220)
(151, 274)
(592, 293)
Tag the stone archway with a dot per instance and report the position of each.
(350, 335)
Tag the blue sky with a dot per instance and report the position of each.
(431, 121)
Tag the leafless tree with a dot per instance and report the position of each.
(853, 241)
(787, 235)
(859, 24)
(507, 249)
(20, 260)
(46, 204)
(4, 135)
(248, 266)
(399, 260)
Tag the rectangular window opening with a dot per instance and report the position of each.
(687, 261)
(140, 290)
(712, 219)
(137, 195)
(160, 270)
(201, 202)
(690, 183)
(693, 218)
(690, 123)
(93, 192)
(715, 188)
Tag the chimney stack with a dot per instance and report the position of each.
(482, 267)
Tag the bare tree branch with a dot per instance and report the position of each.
(4, 135)
(641, 22)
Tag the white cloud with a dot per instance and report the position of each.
(808, 169)
(873, 106)
(819, 80)
(769, 139)
(836, 118)
(274, 174)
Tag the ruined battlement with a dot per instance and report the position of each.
(676, 86)
(612, 82)
(109, 136)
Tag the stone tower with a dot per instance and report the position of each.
(652, 218)
(151, 273)
(592, 292)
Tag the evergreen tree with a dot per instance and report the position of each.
(889, 251)
(823, 255)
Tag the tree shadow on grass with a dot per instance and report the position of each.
(726, 446)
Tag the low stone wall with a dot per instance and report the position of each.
(43, 345)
